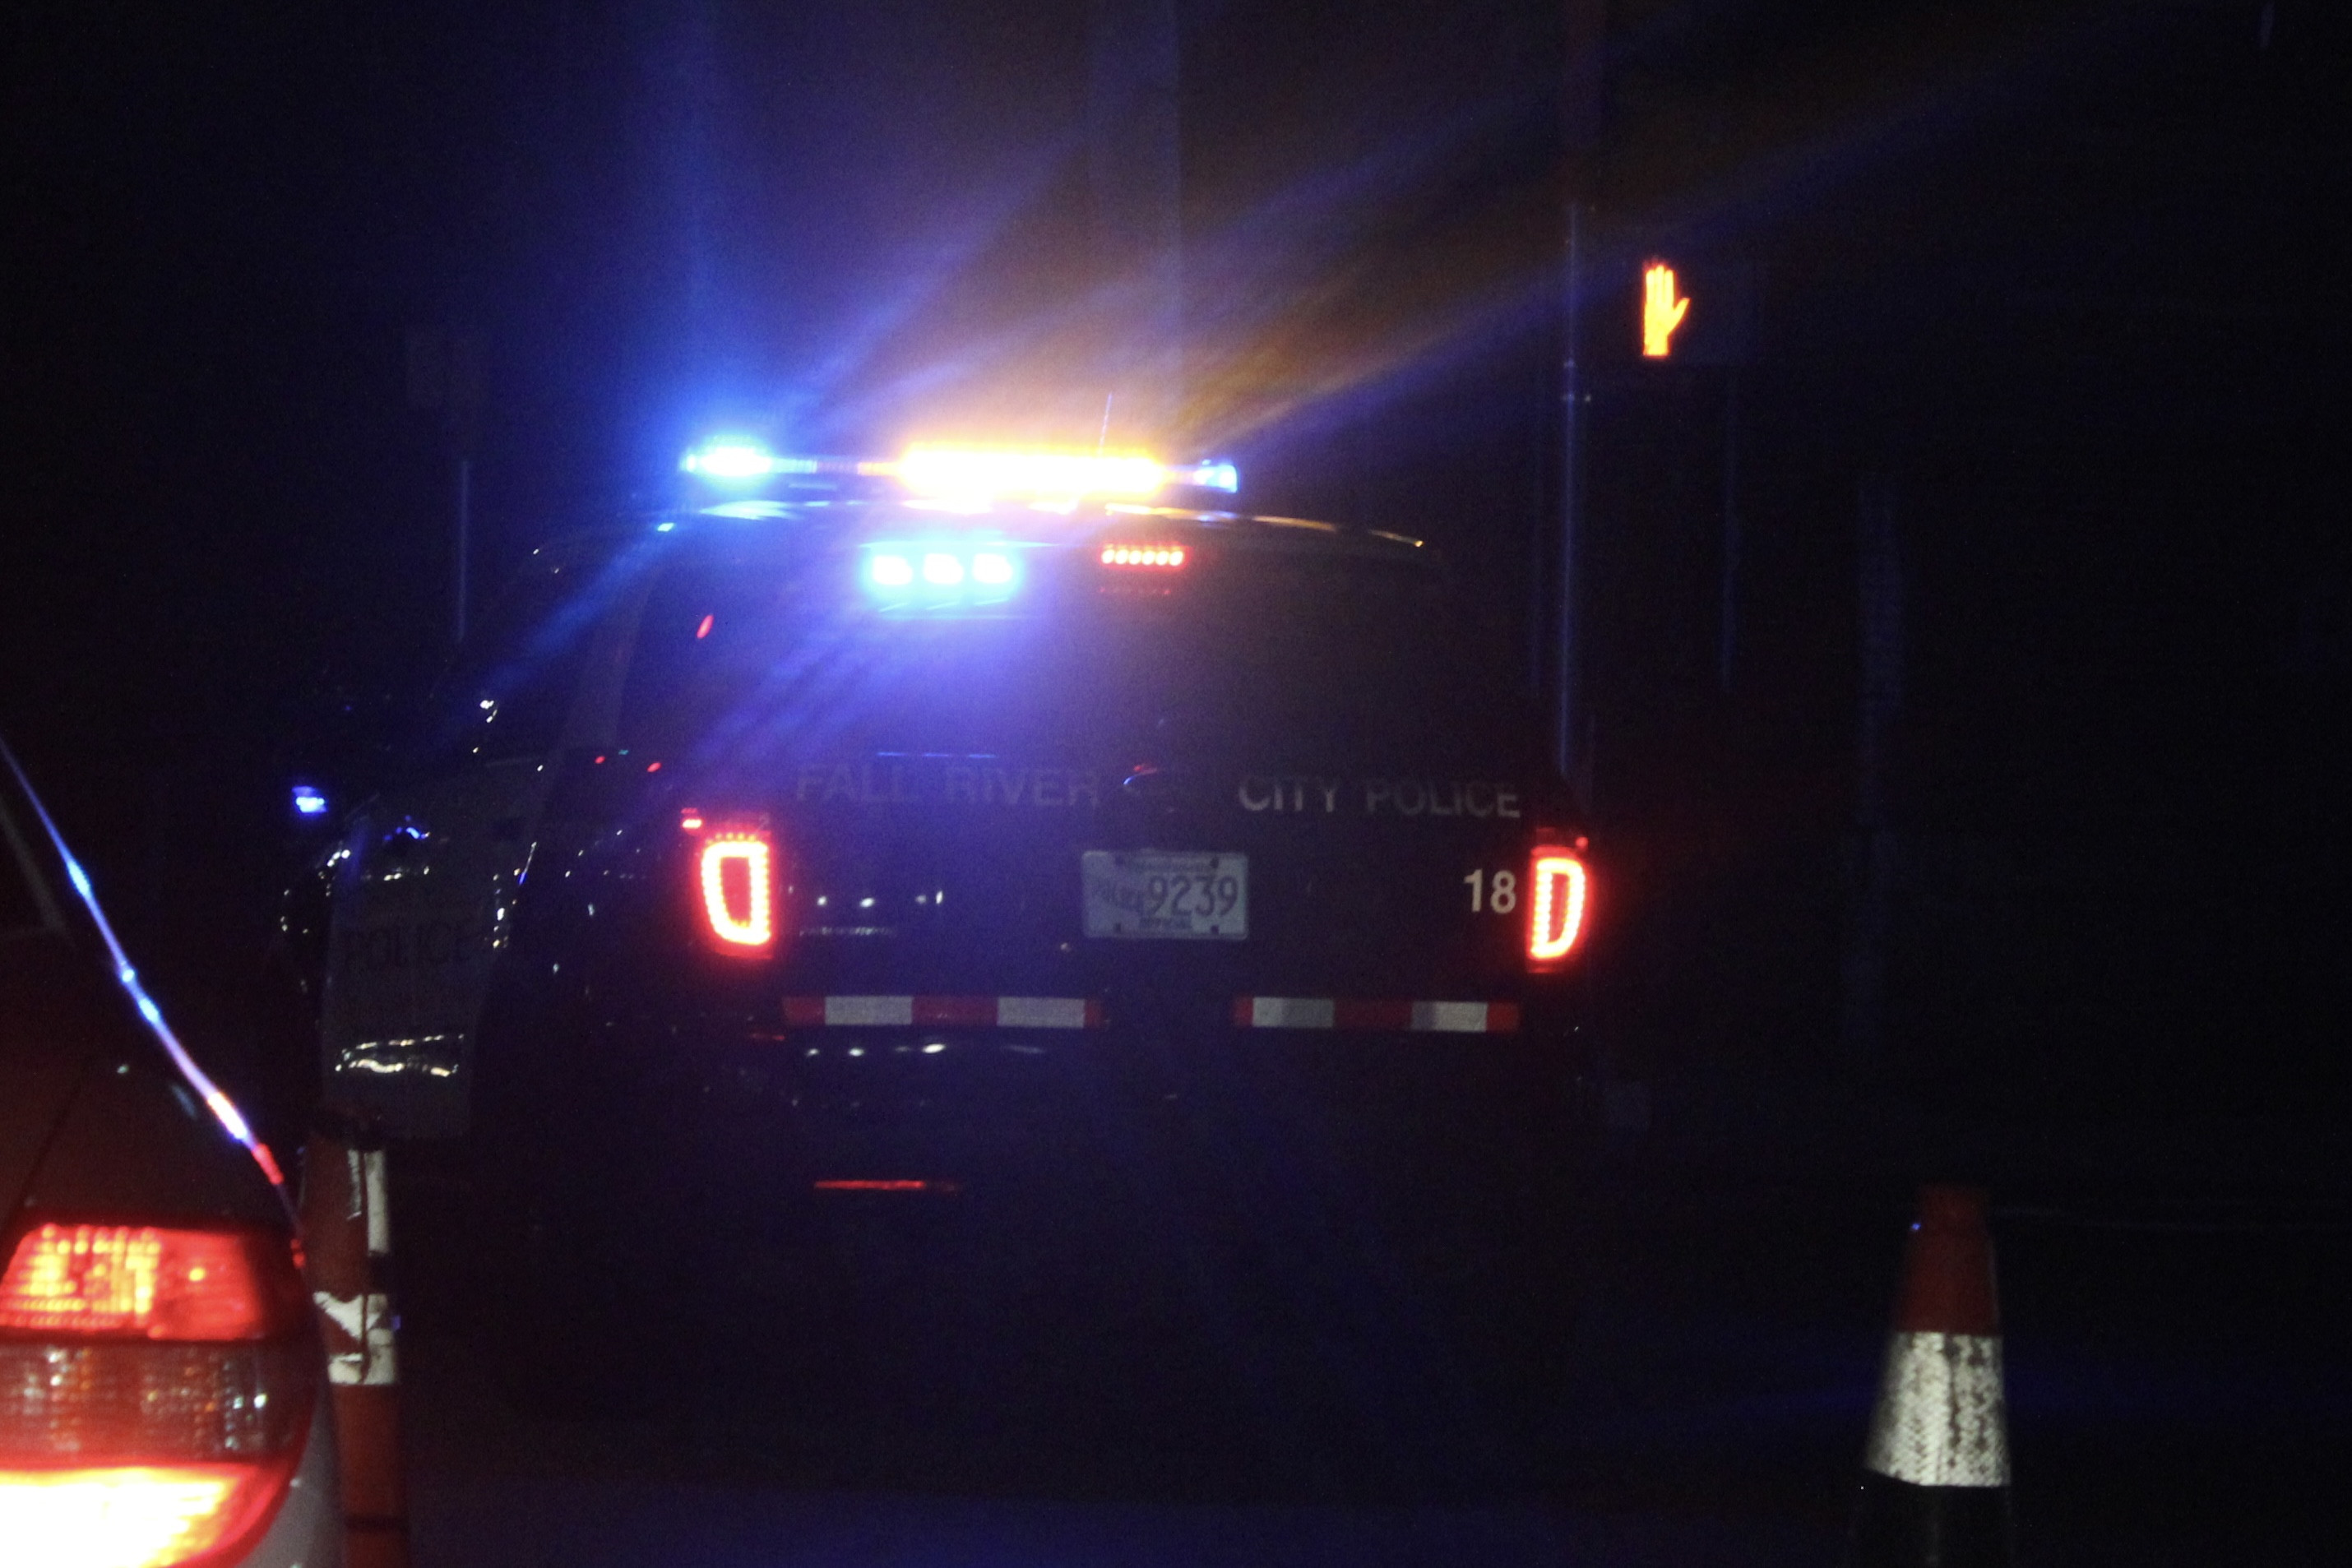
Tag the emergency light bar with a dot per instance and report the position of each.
(973, 476)
(977, 474)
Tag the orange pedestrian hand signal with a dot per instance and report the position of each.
(1662, 311)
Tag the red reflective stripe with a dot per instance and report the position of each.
(969, 1011)
(1381, 1015)
(1384, 1016)
(932, 1012)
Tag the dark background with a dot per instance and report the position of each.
(2044, 323)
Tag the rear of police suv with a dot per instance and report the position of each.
(1183, 866)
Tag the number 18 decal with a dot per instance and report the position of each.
(1495, 893)
(1553, 894)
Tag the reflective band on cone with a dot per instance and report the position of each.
(346, 1227)
(1939, 1421)
(365, 1321)
(1935, 1485)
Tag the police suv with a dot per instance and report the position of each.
(973, 828)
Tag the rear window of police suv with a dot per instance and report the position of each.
(1287, 662)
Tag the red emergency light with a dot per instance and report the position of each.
(1145, 557)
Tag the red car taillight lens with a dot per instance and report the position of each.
(132, 1516)
(148, 1280)
(1558, 885)
(156, 1383)
(735, 875)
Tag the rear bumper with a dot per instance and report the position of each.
(1131, 1180)
(744, 1105)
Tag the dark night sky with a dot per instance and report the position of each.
(2072, 275)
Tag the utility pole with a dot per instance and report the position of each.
(1135, 165)
(1727, 638)
(444, 374)
(1879, 579)
(1583, 85)
(1569, 750)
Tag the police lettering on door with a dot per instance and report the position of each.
(1308, 795)
(422, 944)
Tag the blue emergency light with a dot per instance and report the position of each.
(731, 459)
(1212, 477)
(941, 574)
(308, 801)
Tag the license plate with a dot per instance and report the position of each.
(1162, 893)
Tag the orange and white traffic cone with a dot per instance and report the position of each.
(347, 1241)
(1935, 1483)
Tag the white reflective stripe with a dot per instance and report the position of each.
(869, 1011)
(366, 1321)
(1940, 1419)
(379, 1207)
(1291, 1012)
(1450, 1018)
(1040, 1012)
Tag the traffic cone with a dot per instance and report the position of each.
(347, 1243)
(1935, 1483)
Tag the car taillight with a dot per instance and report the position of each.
(156, 1383)
(735, 877)
(1557, 883)
(155, 1282)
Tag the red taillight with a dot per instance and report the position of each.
(735, 874)
(132, 1516)
(1147, 557)
(156, 1383)
(144, 1280)
(1557, 883)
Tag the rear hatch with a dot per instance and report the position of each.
(1173, 775)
